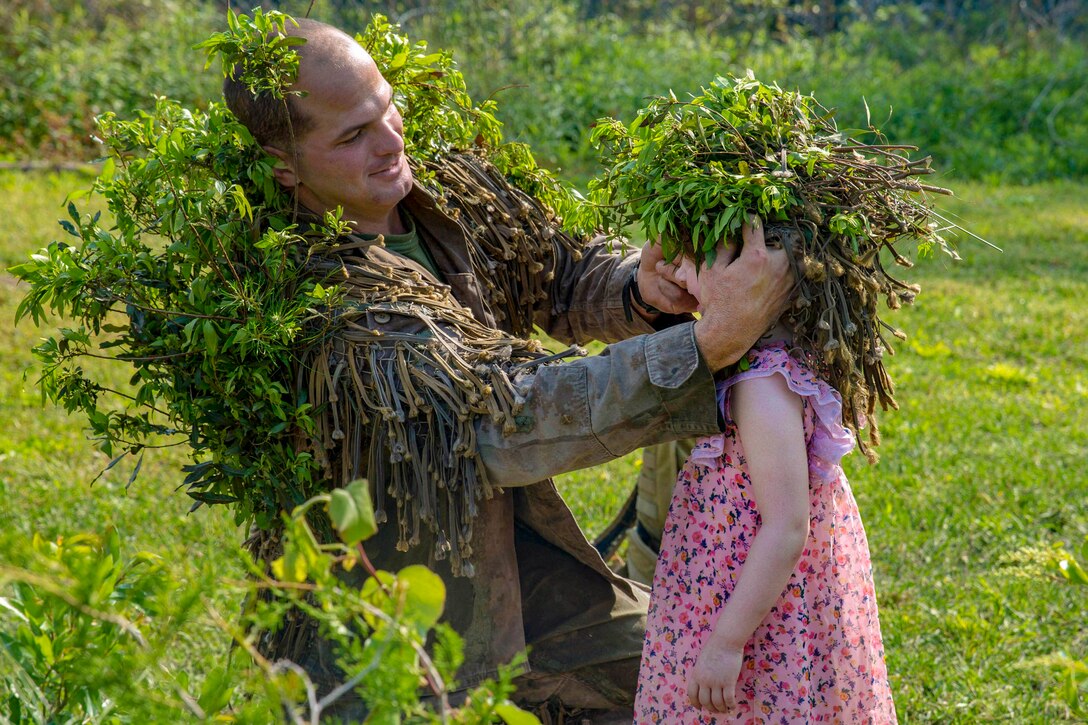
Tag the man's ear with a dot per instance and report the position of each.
(284, 170)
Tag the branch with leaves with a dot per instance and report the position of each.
(689, 173)
(88, 629)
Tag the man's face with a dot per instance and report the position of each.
(353, 155)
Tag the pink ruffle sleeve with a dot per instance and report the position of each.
(830, 439)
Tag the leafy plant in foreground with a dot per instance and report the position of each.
(380, 631)
(87, 634)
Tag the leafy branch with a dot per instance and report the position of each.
(689, 173)
(88, 628)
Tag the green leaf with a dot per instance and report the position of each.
(374, 591)
(424, 596)
(108, 169)
(217, 690)
(511, 714)
(291, 567)
(135, 471)
(351, 512)
(1072, 570)
(5, 603)
(112, 543)
(211, 337)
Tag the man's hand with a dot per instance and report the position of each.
(658, 286)
(741, 298)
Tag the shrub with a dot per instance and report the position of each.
(64, 63)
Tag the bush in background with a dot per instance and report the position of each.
(1008, 110)
(993, 90)
(67, 61)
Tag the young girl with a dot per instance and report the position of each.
(763, 608)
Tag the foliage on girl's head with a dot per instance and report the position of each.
(691, 172)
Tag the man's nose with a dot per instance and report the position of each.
(391, 139)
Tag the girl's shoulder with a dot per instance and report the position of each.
(778, 356)
(827, 438)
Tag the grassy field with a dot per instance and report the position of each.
(986, 457)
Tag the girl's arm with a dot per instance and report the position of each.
(769, 420)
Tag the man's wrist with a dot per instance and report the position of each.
(632, 300)
(717, 343)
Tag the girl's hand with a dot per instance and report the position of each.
(712, 684)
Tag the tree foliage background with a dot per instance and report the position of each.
(995, 90)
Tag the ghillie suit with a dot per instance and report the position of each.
(412, 370)
(692, 171)
(406, 368)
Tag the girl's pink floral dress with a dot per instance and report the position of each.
(818, 655)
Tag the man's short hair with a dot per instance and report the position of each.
(275, 121)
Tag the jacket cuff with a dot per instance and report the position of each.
(673, 361)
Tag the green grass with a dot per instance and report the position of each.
(985, 457)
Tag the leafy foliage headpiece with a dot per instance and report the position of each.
(691, 172)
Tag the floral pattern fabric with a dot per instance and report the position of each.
(818, 656)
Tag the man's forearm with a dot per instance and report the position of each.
(587, 296)
(649, 389)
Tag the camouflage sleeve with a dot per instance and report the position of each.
(586, 295)
(648, 389)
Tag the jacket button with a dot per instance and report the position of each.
(382, 318)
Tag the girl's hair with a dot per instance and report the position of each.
(835, 317)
